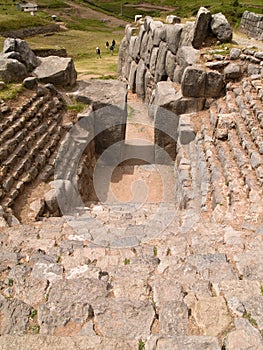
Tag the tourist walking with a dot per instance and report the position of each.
(98, 52)
(111, 49)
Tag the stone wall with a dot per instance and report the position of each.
(153, 52)
(30, 135)
(26, 32)
(252, 25)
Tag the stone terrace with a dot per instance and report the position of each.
(198, 285)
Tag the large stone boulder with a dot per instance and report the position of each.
(123, 56)
(165, 122)
(59, 71)
(201, 29)
(193, 82)
(186, 56)
(108, 99)
(173, 36)
(197, 82)
(221, 28)
(160, 72)
(12, 70)
(19, 49)
(140, 76)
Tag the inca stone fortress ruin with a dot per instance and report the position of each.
(81, 269)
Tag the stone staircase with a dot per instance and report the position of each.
(30, 135)
(221, 170)
(184, 274)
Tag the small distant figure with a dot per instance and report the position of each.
(113, 43)
(107, 45)
(111, 49)
(98, 52)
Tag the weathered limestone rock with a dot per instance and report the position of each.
(234, 53)
(140, 76)
(184, 105)
(170, 64)
(225, 123)
(30, 83)
(56, 70)
(186, 56)
(187, 34)
(185, 132)
(71, 302)
(160, 72)
(245, 336)
(148, 51)
(153, 60)
(221, 27)
(165, 121)
(173, 317)
(15, 317)
(182, 342)
(149, 86)
(131, 47)
(158, 34)
(214, 84)
(209, 321)
(193, 82)
(232, 71)
(172, 19)
(201, 29)
(123, 56)
(147, 21)
(138, 44)
(130, 31)
(122, 318)
(198, 83)
(173, 37)
(132, 76)
(80, 342)
(12, 70)
(108, 100)
(24, 54)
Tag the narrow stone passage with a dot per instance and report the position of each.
(137, 178)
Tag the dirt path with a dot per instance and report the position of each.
(135, 180)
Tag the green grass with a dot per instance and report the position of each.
(11, 91)
(233, 9)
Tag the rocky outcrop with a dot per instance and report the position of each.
(56, 70)
(18, 61)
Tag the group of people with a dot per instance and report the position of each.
(108, 47)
